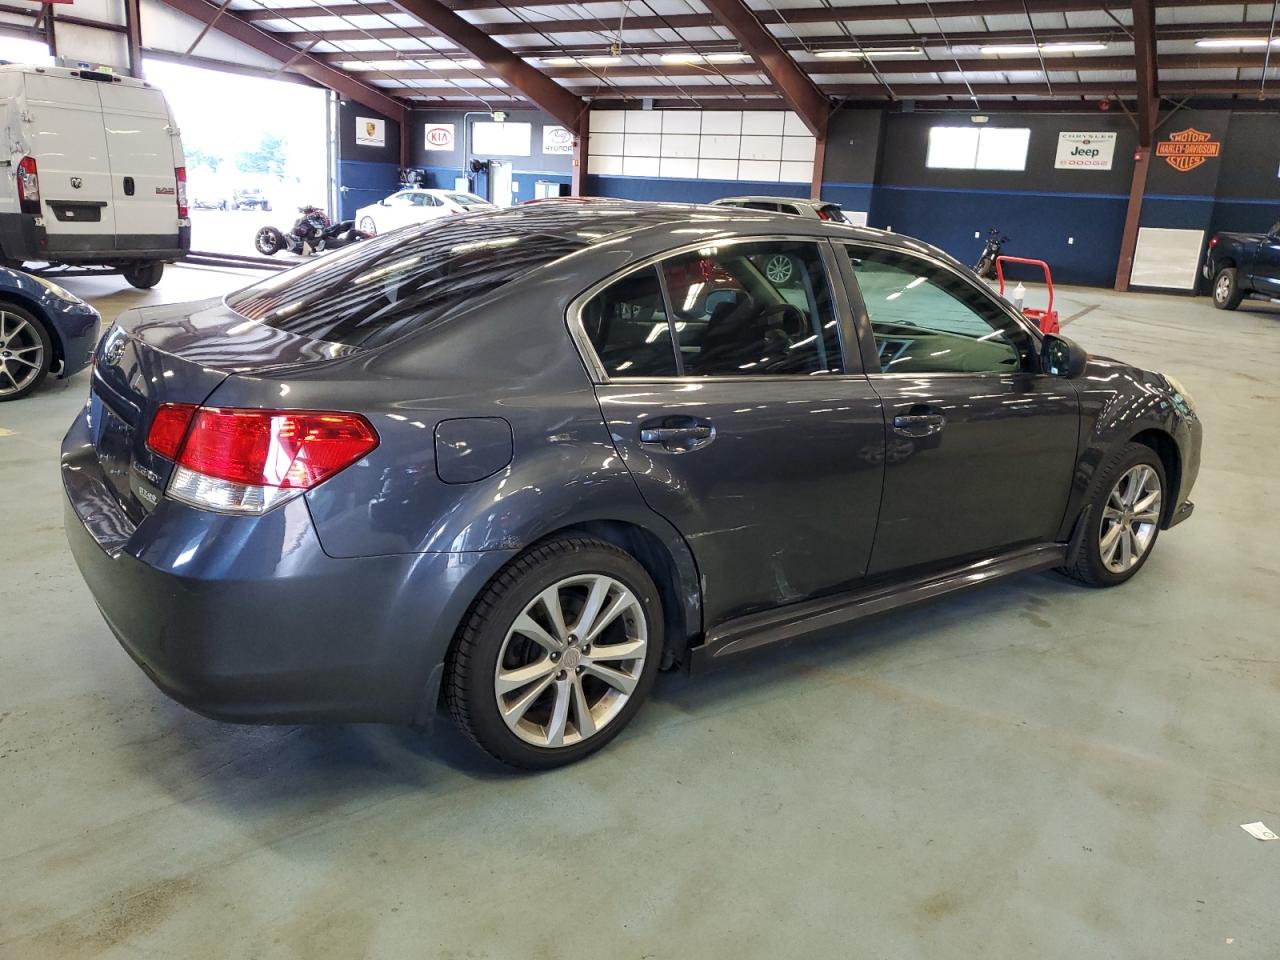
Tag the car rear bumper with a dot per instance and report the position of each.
(247, 619)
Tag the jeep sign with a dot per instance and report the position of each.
(1085, 151)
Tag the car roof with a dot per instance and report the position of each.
(801, 201)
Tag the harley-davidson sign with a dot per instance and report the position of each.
(1188, 149)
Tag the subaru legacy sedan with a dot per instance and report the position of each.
(521, 461)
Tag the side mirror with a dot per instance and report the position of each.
(1060, 357)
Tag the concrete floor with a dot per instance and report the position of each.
(1038, 770)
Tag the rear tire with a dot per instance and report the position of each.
(1226, 289)
(268, 241)
(26, 352)
(538, 687)
(144, 276)
(1124, 520)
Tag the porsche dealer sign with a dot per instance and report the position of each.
(1085, 151)
(1188, 149)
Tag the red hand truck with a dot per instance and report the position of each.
(1047, 319)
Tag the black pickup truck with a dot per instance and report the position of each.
(1243, 265)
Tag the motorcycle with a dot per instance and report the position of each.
(313, 232)
(986, 265)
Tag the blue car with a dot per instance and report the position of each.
(43, 328)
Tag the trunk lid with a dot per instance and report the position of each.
(174, 354)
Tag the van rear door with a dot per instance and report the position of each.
(143, 179)
(64, 130)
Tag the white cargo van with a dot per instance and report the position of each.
(93, 172)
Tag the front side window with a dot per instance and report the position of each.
(749, 309)
(927, 319)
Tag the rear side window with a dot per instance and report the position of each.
(381, 289)
(628, 327)
(749, 309)
(761, 205)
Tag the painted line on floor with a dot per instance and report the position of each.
(1080, 313)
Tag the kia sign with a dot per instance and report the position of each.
(556, 140)
(1085, 151)
(439, 136)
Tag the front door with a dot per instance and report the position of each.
(981, 447)
(1266, 265)
(727, 394)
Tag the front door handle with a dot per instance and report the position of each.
(919, 424)
(677, 434)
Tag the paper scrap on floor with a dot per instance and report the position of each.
(1259, 830)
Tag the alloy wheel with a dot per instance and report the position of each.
(1222, 289)
(21, 353)
(778, 268)
(1130, 518)
(366, 224)
(571, 660)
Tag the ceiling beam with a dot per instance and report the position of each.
(567, 109)
(268, 43)
(1146, 67)
(795, 86)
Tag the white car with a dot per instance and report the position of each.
(416, 206)
(813, 209)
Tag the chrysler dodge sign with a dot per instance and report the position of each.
(1085, 151)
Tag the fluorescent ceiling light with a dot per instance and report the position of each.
(599, 61)
(1011, 48)
(452, 64)
(868, 54)
(560, 62)
(1071, 47)
(681, 58)
(1232, 43)
(726, 57)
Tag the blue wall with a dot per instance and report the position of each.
(363, 183)
(675, 190)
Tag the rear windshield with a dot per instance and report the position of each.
(467, 198)
(381, 289)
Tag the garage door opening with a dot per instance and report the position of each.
(256, 148)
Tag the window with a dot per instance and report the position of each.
(927, 319)
(378, 290)
(978, 148)
(627, 325)
(753, 308)
(760, 205)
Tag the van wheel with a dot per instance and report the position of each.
(1226, 290)
(144, 276)
(25, 352)
(268, 241)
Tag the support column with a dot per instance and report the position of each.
(133, 36)
(819, 163)
(581, 152)
(1129, 239)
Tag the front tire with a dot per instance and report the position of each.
(557, 653)
(144, 276)
(26, 352)
(1127, 506)
(268, 241)
(367, 226)
(1227, 294)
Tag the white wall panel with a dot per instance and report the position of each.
(608, 121)
(761, 148)
(762, 122)
(685, 167)
(680, 144)
(642, 144)
(605, 166)
(605, 144)
(721, 121)
(640, 166)
(798, 148)
(644, 121)
(796, 171)
(681, 121)
(718, 169)
(759, 170)
(720, 146)
(793, 126)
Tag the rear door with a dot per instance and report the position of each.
(728, 397)
(66, 137)
(1266, 264)
(143, 178)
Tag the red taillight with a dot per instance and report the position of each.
(28, 185)
(180, 174)
(275, 448)
(1213, 242)
(822, 215)
(246, 461)
(169, 427)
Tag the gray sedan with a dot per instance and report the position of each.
(518, 462)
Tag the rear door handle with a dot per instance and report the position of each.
(919, 424)
(678, 434)
(128, 186)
